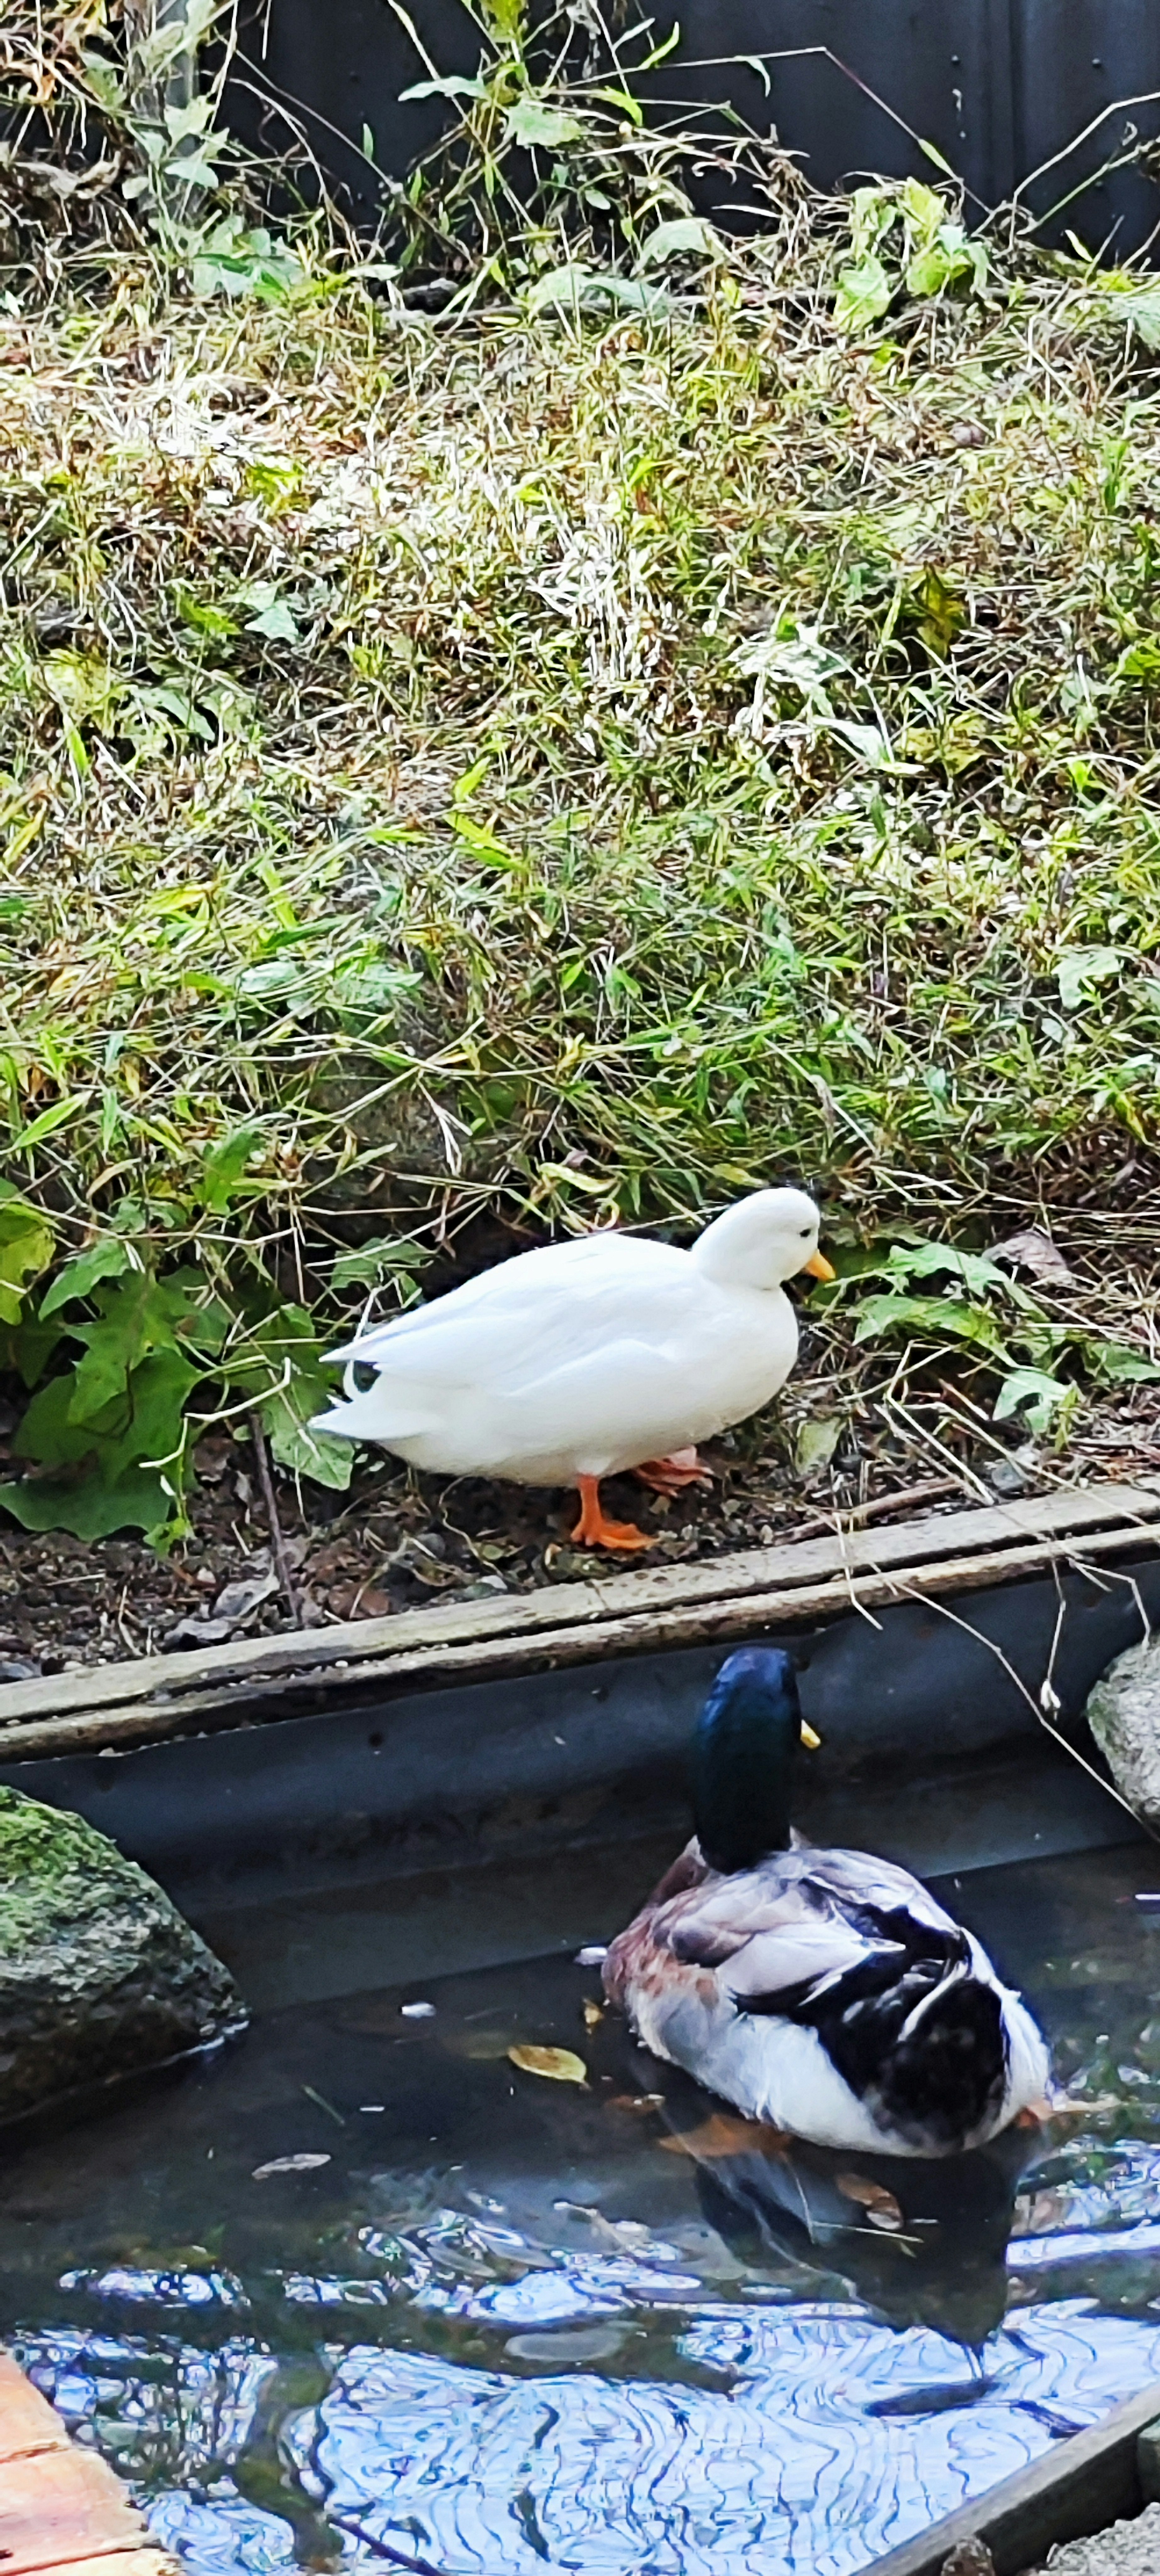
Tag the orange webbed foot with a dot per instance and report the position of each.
(594, 1529)
(672, 1475)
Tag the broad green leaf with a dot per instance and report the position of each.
(1035, 1389)
(686, 235)
(977, 1270)
(27, 1245)
(1139, 306)
(202, 615)
(108, 1260)
(278, 1367)
(933, 1317)
(1114, 1360)
(925, 211)
(135, 1428)
(27, 1348)
(137, 1315)
(383, 1257)
(273, 616)
(535, 126)
(88, 1508)
(873, 212)
(864, 294)
(225, 1166)
(816, 1442)
(1081, 970)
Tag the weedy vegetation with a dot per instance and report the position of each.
(559, 721)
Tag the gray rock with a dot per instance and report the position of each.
(1125, 2549)
(1123, 1712)
(99, 1974)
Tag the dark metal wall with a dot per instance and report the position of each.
(999, 86)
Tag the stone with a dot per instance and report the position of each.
(1123, 1712)
(100, 1976)
(1124, 2549)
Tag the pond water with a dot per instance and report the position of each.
(360, 2292)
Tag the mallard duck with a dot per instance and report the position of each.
(823, 1992)
(587, 1358)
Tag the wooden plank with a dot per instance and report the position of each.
(485, 1658)
(754, 1572)
(27, 2421)
(1078, 2487)
(62, 2504)
(61, 2507)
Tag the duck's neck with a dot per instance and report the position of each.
(742, 1754)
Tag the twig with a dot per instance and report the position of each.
(903, 1501)
(277, 1541)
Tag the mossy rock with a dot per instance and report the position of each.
(1123, 1712)
(100, 1975)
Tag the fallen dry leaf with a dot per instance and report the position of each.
(721, 2136)
(290, 2164)
(592, 2014)
(880, 2205)
(560, 2065)
(634, 2101)
(1031, 1249)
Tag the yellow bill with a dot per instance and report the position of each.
(812, 1742)
(817, 1267)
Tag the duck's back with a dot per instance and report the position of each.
(828, 1992)
(578, 1358)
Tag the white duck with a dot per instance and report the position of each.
(588, 1358)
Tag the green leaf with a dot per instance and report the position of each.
(89, 1509)
(925, 212)
(1139, 306)
(383, 1257)
(283, 1345)
(138, 1315)
(976, 1270)
(273, 616)
(105, 1479)
(816, 1442)
(1114, 1361)
(931, 1317)
(108, 1260)
(225, 1166)
(1038, 1391)
(49, 1120)
(27, 1245)
(624, 101)
(1080, 970)
(669, 46)
(535, 126)
(202, 615)
(685, 235)
(864, 294)
(27, 1348)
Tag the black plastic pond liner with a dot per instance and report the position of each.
(931, 1754)
(998, 87)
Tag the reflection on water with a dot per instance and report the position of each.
(503, 2324)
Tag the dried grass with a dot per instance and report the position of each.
(548, 769)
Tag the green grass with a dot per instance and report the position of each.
(564, 767)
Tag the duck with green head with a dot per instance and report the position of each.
(821, 1991)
